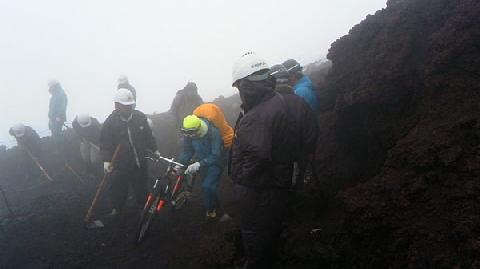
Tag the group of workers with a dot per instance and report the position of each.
(273, 140)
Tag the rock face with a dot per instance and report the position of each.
(318, 71)
(399, 143)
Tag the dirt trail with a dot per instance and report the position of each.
(54, 236)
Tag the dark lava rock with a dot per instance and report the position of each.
(398, 152)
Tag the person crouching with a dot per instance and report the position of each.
(88, 129)
(204, 143)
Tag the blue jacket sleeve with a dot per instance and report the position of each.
(187, 152)
(216, 148)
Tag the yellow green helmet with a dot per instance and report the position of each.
(193, 126)
(191, 122)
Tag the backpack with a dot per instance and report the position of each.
(215, 115)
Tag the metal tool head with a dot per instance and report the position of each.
(95, 224)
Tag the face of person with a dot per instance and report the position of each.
(292, 80)
(124, 110)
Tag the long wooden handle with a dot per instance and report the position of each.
(7, 204)
(35, 160)
(74, 173)
(101, 187)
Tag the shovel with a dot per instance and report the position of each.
(35, 160)
(98, 223)
(75, 173)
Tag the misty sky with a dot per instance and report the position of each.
(160, 45)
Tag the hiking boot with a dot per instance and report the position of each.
(211, 214)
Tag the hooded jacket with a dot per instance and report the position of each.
(134, 135)
(209, 149)
(58, 103)
(90, 133)
(263, 149)
(304, 124)
(304, 88)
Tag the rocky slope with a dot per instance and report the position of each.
(398, 155)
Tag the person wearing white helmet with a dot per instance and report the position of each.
(124, 84)
(129, 129)
(261, 159)
(28, 140)
(57, 113)
(26, 137)
(88, 129)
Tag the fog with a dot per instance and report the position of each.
(160, 45)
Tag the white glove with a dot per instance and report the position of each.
(193, 168)
(107, 167)
(157, 154)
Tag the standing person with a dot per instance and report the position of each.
(301, 83)
(28, 140)
(305, 124)
(88, 129)
(57, 113)
(262, 157)
(128, 128)
(124, 84)
(203, 142)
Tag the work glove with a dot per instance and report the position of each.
(107, 167)
(193, 168)
(178, 169)
(157, 154)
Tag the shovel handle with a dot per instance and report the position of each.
(74, 173)
(7, 204)
(101, 187)
(35, 160)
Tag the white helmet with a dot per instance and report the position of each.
(52, 82)
(84, 120)
(248, 64)
(124, 97)
(18, 130)
(122, 79)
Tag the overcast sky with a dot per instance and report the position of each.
(160, 45)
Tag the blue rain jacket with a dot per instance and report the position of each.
(304, 88)
(208, 150)
(58, 104)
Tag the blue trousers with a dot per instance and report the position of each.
(210, 178)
